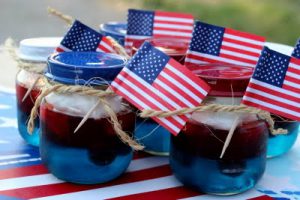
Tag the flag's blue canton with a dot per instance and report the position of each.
(148, 62)
(81, 38)
(271, 67)
(296, 52)
(207, 38)
(140, 22)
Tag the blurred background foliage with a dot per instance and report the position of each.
(277, 20)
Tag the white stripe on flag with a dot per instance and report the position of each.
(291, 74)
(276, 89)
(239, 55)
(187, 80)
(12, 162)
(292, 84)
(107, 46)
(271, 106)
(143, 105)
(165, 32)
(217, 58)
(182, 87)
(295, 66)
(273, 97)
(173, 19)
(119, 190)
(195, 61)
(230, 44)
(243, 39)
(147, 163)
(176, 94)
(137, 37)
(172, 26)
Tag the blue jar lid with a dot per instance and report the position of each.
(116, 30)
(81, 68)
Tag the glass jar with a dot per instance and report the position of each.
(154, 137)
(33, 52)
(175, 48)
(195, 154)
(282, 143)
(95, 153)
(116, 30)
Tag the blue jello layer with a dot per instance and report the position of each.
(155, 138)
(30, 138)
(280, 144)
(221, 177)
(82, 165)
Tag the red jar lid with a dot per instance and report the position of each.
(170, 46)
(225, 80)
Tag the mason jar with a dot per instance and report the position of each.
(116, 30)
(94, 153)
(195, 154)
(33, 53)
(282, 143)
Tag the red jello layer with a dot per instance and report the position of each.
(248, 140)
(28, 103)
(97, 133)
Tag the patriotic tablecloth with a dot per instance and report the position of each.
(23, 176)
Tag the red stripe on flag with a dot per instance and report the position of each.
(204, 59)
(241, 51)
(293, 70)
(245, 35)
(272, 101)
(239, 59)
(165, 194)
(159, 21)
(104, 49)
(275, 93)
(23, 171)
(264, 197)
(175, 30)
(59, 50)
(63, 188)
(291, 88)
(173, 36)
(249, 103)
(173, 14)
(246, 44)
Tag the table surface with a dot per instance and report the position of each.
(22, 175)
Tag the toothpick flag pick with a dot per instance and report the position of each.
(215, 44)
(83, 38)
(142, 24)
(275, 85)
(296, 51)
(153, 80)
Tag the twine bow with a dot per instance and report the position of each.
(84, 90)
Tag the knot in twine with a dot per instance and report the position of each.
(84, 90)
(218, 108)
(35, 67)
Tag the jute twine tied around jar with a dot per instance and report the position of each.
(218, 108)
(33, 67)
(89, 91)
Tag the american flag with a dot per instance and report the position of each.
(296, 51)
(142, 24)
(275, 85)
(153, 80)
(82, 38)
(215, 44)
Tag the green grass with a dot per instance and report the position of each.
(278, 21)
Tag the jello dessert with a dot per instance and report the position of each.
(195, 155)
(282, 143)
(94, 154)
